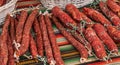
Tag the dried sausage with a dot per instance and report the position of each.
(52, 37)
(72, 40)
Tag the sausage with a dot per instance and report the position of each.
(64, 17)
(72, 40)
(11, 60)
(77, 15)
(12, 29)
(38, 35)
(3, 42)
(112, 17)
(33, 48)
(107, 40)
(26, 38)
(52, 37)
(96, 43)
(95, 15)
(78, 37)
(114, 33)
(47, 46)
(114, 7)
(20, 26)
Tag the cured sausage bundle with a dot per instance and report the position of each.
(52, 37)
(38, 37)
(77, 15)
(114, 33)
(114, 6)
(89, 31)
(112, 17)
(97, 16)
(47, 46)
(82, 50)
(107, 40)
(26, 38)
(64, 17)
(96, 43)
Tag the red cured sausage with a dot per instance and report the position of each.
(72, 40)
(96, 43)
(77, 15)
(20, 26)
(38, 34)
(12, 29)
(113, 17)
(52, 37)
(83, 41)
(114, 33)
(33, 48)
(103, 35)
(11, 60)
(3, 42)
(26, 38)
(64, 17)
(48, 49)
(97, 16)
(114, 7)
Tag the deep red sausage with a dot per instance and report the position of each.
(114, 7)
(38, 35)
(72, 40)
(97, 16)
(107, 40)
(11, 60)
(25, 39)
(77, 15)
(33, 48)
(114, 33)
(12, 28)
(3, 42)
(47, 46)
(20, 26)
(96, 43)
(52, 37)
(64, 17)
(112, 17)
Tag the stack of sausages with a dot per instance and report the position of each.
(90, 32)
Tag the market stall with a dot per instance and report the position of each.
(57, 32)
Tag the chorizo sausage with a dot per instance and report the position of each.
(3, 42)
(47, 46)
(20, 26)
(95, 15)
(114, 7)
(52, 37)
(26, 37)
(112, 17)
(96, 43)
(33, 48)
(38, 35)
(72, 40)
(107, 40)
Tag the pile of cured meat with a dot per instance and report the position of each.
(89, 31)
